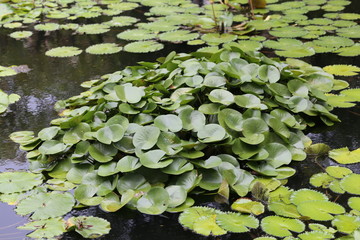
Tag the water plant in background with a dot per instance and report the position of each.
(150, 136)
(182, 21)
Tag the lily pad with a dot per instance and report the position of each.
(348, 183)
(46, 205)
(48, 229)
(89, 227)
(344, 156)
(280, 226)
(143, 47)
(63, 52)
(13, 182)
(320, 210)
(103, 48)
(21, 34)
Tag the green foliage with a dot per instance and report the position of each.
(46, 205)
(47, 229)
(348, 183)
(136, 34)
(5, 99)
(344, 156)
(208, 221)
(21, 34)
(63, 52)
(342, 70)
(89, 227)
(14, 182)
(143, 47)
(103, 48)
(280, 226)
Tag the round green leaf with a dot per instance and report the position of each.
(109, 134)
(12, 182)
(168, 122)
(154, 202)
(46, 205)
(146, 137)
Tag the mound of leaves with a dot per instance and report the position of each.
(149, 135)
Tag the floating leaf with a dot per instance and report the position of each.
(178, 36)
(245, 205)
(304, 195)
(315, 235)
(46, 205)
(12, 182)
(283, 209)
(95, 28)
(349, 183)
(21, 34)
(321, 180)
(346, 223)
(354, 203)
(235, 222)
(216, 38)
(154, 201)
(136, 34)
(168, 122)
(103, 48)
(333, 41)
(319, 210)
(344, 156)
(201, 220)
(280, 226)
(47, 27)
(143, 47)
(63, 52)
(89, 227)
(48, 229)
(211, 133)
(337, 171)
(342, 70)
(146, 137)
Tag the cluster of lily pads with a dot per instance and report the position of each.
(149, 136)
(291, 208)
(183, 21)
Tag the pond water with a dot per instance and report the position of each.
(53, 79)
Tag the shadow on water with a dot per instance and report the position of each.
(53, 79)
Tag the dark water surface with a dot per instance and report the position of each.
(53, 79)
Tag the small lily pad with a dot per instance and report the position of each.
(143, 47)
(63, 52)
(103, 48)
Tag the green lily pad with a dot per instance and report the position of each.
(143, 47)
(319, 210)
(280, 226)
(346, 223)
(154, 202)
(103, 48)
(63, 52)
(90, 227)
(13, 182)
(48, 229)
(216, 38)
(46, 205)
(304, 195)
(136, 34)
(337, 171)
(235, 222)
(344, 156)
(245, 205)
(146, 137)
(349, 183)
(21, 34)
